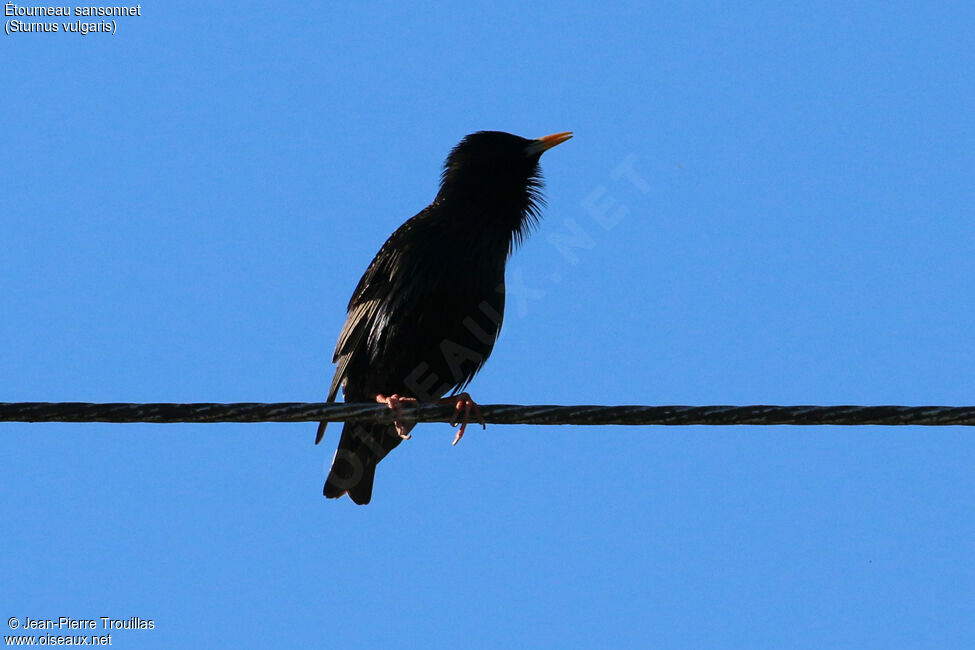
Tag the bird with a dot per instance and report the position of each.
(426, 313)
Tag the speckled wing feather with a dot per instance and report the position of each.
(364, 307)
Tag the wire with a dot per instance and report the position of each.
(492, 413)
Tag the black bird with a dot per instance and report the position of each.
(426, 313)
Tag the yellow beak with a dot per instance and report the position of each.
(545, 143)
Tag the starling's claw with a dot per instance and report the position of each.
(395, 402)
(463, 402)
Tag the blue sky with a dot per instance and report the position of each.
(189, 203)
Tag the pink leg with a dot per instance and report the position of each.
(463, 402)
(395, 402)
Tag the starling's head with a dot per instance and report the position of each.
(498, 172)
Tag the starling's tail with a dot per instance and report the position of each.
(354, 478)
(361, 447)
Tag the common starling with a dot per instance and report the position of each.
(426, 313)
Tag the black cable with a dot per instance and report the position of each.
(492, 413)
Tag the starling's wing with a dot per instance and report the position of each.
(364, 307)
(356, 325)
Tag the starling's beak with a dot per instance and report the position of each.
(545, 143)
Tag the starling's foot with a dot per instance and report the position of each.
(463, 402)
(395, 402)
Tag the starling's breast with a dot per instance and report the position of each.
(439, 321)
